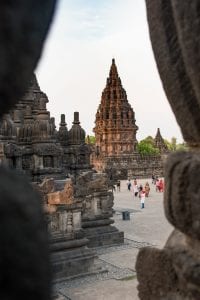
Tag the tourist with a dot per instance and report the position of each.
(147, 189)
(118, 185)
(161, 185)
(153, 179)
(140, 189)
(157, 185)
(128, 184)
(135, 188)
(142, 198)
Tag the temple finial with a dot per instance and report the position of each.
(113, 70)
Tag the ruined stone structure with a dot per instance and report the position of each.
(115, 151)
(30, 143)
(79, 208)
(174, 271)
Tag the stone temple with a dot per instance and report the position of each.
(115, 128)
(77, 200)
(115, 151)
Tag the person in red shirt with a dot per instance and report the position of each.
(161, 185)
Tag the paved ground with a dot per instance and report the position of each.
(146, 227)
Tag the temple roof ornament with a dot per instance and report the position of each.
(63, 135)
(76, 133)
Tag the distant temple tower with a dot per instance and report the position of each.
(159, 142)
(115, 128)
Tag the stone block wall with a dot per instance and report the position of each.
(135, 165)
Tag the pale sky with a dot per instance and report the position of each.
(85, 36)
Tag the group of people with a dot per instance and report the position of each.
(139, 190)
(143, 191)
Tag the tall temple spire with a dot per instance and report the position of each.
(115, 128)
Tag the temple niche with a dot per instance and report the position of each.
(115, 151)
(77, 201)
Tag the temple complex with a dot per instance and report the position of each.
(77, 200)
(115, 150)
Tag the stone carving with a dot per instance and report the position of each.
(174, 272)
(70, 254)
(62, 197)
(92, 190)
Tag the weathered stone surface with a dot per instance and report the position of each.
(181, 199)
(66, 196)
(177, 25)
(154, 283)
(23, 28)
(165, 20)
(24, 253)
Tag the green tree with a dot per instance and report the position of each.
(168, 144)
(173, 146)
(90, 139)
(146, 147)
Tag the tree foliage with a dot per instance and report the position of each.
(90, 139)
(173, 146)
(146, 147)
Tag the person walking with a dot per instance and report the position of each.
(128, 184)
(161, 185)
(142, 198)
(147, 189)
(157, 185)
(135, 189)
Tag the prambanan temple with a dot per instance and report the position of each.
(78, 199)
(115, 130)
